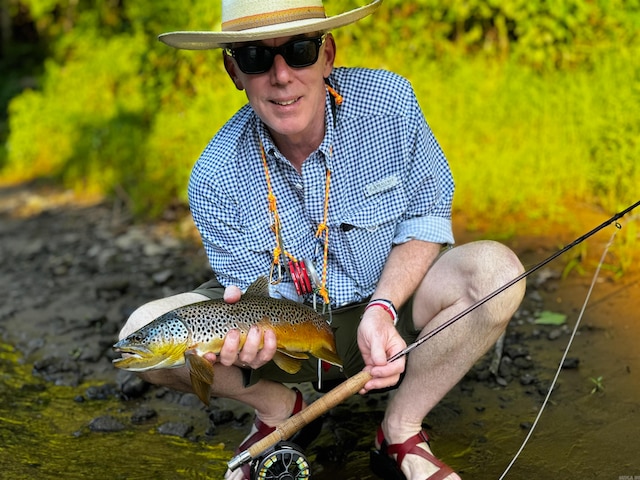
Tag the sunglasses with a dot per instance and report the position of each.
(253, 59)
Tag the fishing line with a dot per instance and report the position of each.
(509, 284)
(353, 384)
(564, 356)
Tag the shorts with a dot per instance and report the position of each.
(344, 322)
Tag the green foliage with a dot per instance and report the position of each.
(534, 102)
(597, 383)
(543, 34)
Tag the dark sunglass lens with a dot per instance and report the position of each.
(253, 58)
(259, 59)
(302, 53)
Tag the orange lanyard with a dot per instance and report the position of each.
(279, 253)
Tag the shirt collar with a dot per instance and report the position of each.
(325, 146)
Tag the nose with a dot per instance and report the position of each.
(280, 71)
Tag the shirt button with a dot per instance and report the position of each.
(298, 186)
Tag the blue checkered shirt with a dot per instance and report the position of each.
(390, 183)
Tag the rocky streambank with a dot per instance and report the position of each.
(73, 271)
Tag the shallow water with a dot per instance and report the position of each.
(44, 434)
(477, 428)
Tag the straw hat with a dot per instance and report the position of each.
(250, 20)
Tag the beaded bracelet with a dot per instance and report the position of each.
(387, 305)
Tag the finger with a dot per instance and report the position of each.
(251, 345)
(270, 345)
(232, 294)
(210, 357)
(393, 369)
(230, 348)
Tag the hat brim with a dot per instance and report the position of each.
(193, 40)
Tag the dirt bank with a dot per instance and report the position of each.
(72, 271)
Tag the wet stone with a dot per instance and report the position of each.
(177, 429)
(220, 417)
(527, 379)
(554, 334)
(503, 382)
(190, 400)
(523, 363)
(570, 363)
(106, 423)
(131, 385)
(143, 414)
(160, 278)
(101, 392)
(506, 368)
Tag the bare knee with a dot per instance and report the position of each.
(493, 266)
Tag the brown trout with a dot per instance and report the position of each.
(182, 336)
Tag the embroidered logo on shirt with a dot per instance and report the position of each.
(381, 185)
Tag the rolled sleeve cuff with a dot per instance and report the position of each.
(428, 229)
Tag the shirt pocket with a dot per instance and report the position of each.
(367, 231)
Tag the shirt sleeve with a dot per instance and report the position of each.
(428, 186)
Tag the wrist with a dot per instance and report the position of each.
(386, 305)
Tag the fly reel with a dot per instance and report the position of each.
(283, 461)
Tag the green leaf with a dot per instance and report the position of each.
(551, 318)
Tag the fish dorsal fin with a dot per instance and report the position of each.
(259, 288)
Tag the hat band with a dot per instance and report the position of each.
(273, 18)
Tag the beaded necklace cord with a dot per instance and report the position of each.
(279, 253)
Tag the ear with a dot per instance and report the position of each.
(329, 54)
(232, 70)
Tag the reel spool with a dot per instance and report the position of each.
(283, 461)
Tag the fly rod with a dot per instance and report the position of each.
(354, 384)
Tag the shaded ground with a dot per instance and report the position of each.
(72, 272)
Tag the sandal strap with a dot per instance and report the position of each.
(410, 446)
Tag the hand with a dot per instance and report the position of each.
(378, 340)
(258, 349)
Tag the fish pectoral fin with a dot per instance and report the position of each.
(287, 363)
(297, 355)
(201, 373)
(328, 356)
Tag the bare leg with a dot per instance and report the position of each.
(457, 280)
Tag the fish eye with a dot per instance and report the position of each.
(136, 337)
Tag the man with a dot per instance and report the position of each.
(330, 183)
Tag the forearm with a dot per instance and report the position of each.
(404, 270)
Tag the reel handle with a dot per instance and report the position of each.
(349, 387)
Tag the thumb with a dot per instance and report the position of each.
(232, 294)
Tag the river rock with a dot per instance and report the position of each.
(106, 423)
(177, 429)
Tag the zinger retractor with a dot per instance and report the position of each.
(283, 461)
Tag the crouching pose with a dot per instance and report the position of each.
(330, 183)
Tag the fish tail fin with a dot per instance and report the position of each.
(201, 373)
(328, 356)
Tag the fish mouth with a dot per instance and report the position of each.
(130, 353)
(133, 360)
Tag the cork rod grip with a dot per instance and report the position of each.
(329, 400)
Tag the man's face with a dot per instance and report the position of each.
(290, 101)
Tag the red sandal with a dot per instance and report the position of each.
(302, 438)
(384, 466)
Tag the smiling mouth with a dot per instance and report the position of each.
(285, 103)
